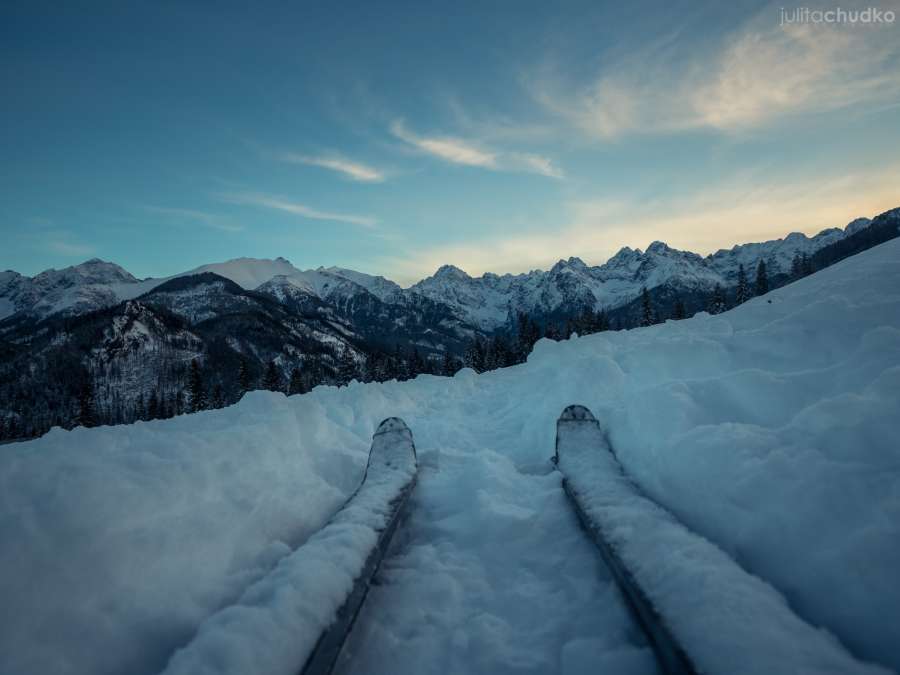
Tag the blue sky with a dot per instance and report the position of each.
(394, 137)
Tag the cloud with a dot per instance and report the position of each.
(457, 151)
(534, 164)
(297, 209)
(755, 207)
(449, 149)
(350, 169)
(68, 248)
(202, 218)
(759, 75)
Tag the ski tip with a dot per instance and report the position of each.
(575, 419)
(391, 424)
(392, 436)
(577, 413)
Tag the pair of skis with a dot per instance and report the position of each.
(578, 439)
(701, 611)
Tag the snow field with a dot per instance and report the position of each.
(770, 430)
(118, 542)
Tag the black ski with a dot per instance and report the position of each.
(393, 453)
(578, 432)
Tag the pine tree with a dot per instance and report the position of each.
(647, 313)
(245, 381)
(87, 416)
(679, 312)
(295, 384)
(501, 356)
(742, 293)
(551, 332)
(312, 374)
(218, 397)
(346, 367)
(474, 357)
(153, 406)
(196, 390)
(717, 303)
(527, 333)
(762, 279)
(417, 365)
(449, 365)
(272, 378)
(806, 265)
(796, 266)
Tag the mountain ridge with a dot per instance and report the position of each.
(488, 302)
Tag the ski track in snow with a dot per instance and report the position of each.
(491, 572)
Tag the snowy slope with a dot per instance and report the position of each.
(770, 430)
(247, 273)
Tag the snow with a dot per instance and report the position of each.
(697, 589)
(378, 286)
(249, 273)
(275, 624)
(119, 541)
(768, 430)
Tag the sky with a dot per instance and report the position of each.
(393, 138)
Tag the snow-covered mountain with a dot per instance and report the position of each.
(491, 301)
(451, 300)
(73, 290)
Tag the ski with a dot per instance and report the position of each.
(386, 486)
(579, 437)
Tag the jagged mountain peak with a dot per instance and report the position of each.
(94, 270)
(659, 248)
(571, 264)
(450, 272)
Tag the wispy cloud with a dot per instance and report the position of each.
(447, 148)
(210, 220)
(762, 73)
(354, 170)
(297, 209)
(534, 164)
(756, 207)
(68, 248)
(459, 151)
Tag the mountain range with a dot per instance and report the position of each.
(135, 345)
(454, 300)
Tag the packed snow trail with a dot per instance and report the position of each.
(491, 572)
